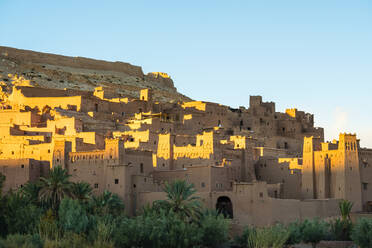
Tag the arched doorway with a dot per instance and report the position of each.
(224, 206)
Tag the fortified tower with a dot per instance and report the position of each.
(114, 151)
(165, 152)
(311, 144)
(349, 186)
(146, 95)
(60, 153)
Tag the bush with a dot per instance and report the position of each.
(165, 229)
(72, 216)
(341, 229)
(20, 216)
(270, 237)
(295, 233)
(362, 233)
(106, 204)
(242, 240)
(102, 234)
(313, 231)
(22, 241)
(215, 229)
(48, 228)
(71, 240)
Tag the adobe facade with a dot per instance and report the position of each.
(256, 165)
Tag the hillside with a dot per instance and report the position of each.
(52, 71)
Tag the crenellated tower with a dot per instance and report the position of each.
(311, 144)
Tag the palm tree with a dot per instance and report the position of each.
(345, 209)
(2, 180)
(181, 200)
(54, 188)
(107, 203)
(81, 191)
(30, 191)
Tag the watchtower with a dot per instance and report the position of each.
(146, 95)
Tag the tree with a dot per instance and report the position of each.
(30, 191)
(341, 228)
(54, 188)
(107, 203)
(21, 216)
(180, 199)
(2, 180)
(3, 229)
(345, 207)
(81, 191)
(163, 229)
(72, 216)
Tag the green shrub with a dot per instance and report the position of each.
(70, 240)
(20, 216)
(269, 237)
(106, 204)
(103, 231)
(165, 229)
(345, 207)
(295, 233)
(362, 233)
(214, 228)
(341, 229)
(242, 241)
(48, 228)
(313, 231)
(72, 216)
(22, 241)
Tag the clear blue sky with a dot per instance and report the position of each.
(314, 55)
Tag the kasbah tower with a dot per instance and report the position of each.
(121, 130)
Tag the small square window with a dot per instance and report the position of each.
(96, 185)
(116, 181)
(203, 185)
(365, 186)
(22, 166)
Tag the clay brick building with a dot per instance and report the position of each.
(248, 162)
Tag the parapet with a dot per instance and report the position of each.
(255, 101)
(160, 77)
(291, 112)
(199, 105)
(328, 146)
(159, 74)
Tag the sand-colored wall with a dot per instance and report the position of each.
(252, 205)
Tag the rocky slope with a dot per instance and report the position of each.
(59, 72)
